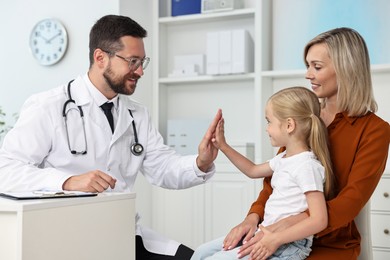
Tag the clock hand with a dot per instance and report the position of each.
(52, 38)
(46, 40)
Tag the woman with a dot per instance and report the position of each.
(338, 67)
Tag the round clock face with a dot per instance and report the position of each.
(48, 41)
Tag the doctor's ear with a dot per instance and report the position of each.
(100, 57)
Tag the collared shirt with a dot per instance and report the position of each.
(100, 99)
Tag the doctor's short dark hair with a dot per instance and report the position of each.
(107, 31)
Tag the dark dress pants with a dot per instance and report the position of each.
(183, 252)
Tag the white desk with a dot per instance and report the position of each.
(95, 228)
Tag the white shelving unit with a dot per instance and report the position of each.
(240, 96)
(380, 227)
(193, 216)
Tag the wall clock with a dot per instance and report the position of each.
(48, 41)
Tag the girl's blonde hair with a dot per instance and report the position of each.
(349, 55)
(303, 106)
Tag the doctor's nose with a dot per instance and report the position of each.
(139, 71)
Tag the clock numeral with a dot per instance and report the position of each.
(48, 24)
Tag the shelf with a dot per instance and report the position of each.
(283, 73)
(208, 17)
(378, 68)
(206, 79)
(278, 74)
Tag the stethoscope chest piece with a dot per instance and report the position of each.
(137, 149)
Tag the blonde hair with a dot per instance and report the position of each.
(303, 106)
(349, 55)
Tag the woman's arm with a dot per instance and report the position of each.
(359, 154)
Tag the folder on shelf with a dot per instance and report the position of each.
(225, 52)
(183, 7)
(242, 52)
(212, 53)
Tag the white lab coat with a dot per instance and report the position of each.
(35, 153)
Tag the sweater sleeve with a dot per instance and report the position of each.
(359, 163)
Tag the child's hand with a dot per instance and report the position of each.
(219, 138)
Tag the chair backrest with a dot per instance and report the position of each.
(363, 224)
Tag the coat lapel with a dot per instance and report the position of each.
(124, 118)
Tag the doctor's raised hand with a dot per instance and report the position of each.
(207, 151)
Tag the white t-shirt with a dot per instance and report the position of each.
(292, 177)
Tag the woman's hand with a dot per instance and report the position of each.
(266, 246)
(287, 222)
(245, 230)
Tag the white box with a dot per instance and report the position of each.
(209, 6)
(242, 52)
(188, 65)
(225, 52)
(212, 52)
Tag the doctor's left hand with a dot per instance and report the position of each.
(93, 181)
(207, 151)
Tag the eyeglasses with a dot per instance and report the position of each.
(134, 63)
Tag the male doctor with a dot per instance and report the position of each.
(64, 140)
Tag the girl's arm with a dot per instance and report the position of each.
(317, 221)
(241, 162)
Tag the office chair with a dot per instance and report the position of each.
(363, 224)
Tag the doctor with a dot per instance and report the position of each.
(63, 139)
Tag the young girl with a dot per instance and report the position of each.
(299, 173)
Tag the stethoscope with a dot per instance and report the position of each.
(136, 148)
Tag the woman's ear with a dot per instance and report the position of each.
(290, 125)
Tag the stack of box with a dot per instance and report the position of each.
(229, 52)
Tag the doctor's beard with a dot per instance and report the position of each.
(118, 84)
